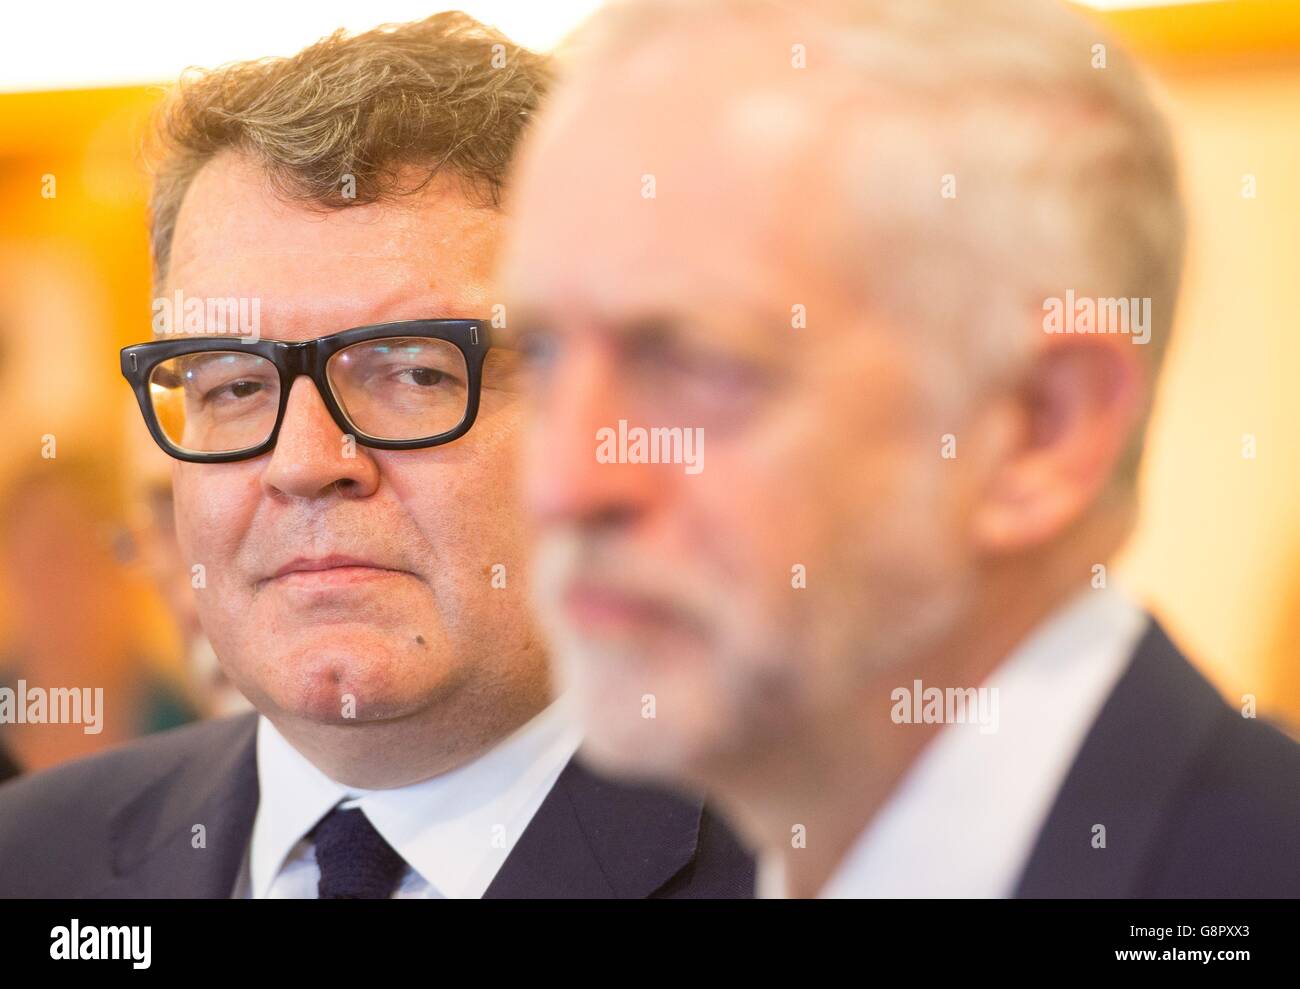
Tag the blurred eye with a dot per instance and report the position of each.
(537, 348)
(675, 361)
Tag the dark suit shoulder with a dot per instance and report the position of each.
(1173, 794)
(133, 763)
(55, 825)
(1233, 828)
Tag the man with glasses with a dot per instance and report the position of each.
(344, 488)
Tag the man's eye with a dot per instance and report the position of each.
(536, 349)
(713, 368)
(425, 377)
(695, 365)
(235, 389)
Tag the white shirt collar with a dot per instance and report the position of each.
(454, 830)
(965, 816)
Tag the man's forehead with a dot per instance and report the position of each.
(590, 284)
(717, 217)
(300, 295)
(757, 123)
(328, 274)
(430, 254)
(209, 231)
(708, 161)
(232, 211)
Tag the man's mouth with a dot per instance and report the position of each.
(329, 571)
(592, 608)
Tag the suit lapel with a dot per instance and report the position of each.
(592, 838)
(155, 832)
(1157, 720)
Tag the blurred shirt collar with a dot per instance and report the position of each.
(965, 816)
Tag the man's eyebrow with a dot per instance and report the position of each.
(657, 327)
(656, 324)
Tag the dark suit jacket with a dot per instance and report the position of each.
(1197, 801)
(8, 765)
(121, 825)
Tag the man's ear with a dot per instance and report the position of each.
(1078, 400)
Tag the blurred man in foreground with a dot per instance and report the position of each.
(345, 463)
(902, 274)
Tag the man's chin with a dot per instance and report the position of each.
(359, 708)
(622, 758)
(347, 686)
(645, 746)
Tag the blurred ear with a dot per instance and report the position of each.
(1077, 402)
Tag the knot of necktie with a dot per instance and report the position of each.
(355, 861)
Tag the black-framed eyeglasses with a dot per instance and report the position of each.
(403, 385)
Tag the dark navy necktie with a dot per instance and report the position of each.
(355, 861)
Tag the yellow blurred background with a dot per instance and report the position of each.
(1217, 552)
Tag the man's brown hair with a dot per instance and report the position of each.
(338, 123)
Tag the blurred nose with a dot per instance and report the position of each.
(312, 456)
(565, 482)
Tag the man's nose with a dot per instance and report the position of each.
(312, 455)
(565, 480)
